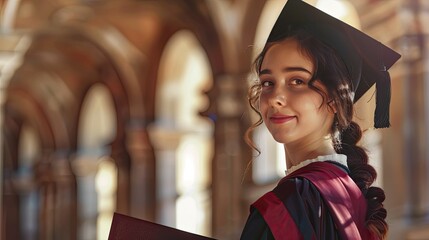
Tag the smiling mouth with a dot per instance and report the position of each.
(281, 119)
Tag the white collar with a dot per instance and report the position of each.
(338, 158)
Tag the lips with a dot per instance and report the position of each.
(279, 119)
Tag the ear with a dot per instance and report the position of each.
(332, 106)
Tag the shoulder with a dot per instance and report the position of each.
(302, 199)
(315, 181)
(296, 205)
(296, 187)
(291, 193)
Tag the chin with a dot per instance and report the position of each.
(284, 136)
(282, 139)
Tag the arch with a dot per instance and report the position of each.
(96, 131)
(19, 189)
(97, 123)
(251, 18)
(181, 137)
(20, 106)
(75, 54)
(83, 63)
(183, 72)
(125, 61)
(49, 90)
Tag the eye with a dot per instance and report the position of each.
(266, 83)
(297, 82)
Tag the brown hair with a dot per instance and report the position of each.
(333, 73)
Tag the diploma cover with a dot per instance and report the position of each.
(128, 228)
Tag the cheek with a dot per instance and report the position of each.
(316, 113)
(308, 102)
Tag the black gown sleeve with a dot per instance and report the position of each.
(256, 227)
(305, 205)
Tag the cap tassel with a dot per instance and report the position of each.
(382, 107)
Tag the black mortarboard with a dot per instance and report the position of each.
(367, 59)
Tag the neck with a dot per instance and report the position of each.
(298, 152)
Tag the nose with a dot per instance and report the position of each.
(278, 99)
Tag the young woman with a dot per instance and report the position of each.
(311, 71)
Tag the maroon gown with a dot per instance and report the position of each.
(318, 201)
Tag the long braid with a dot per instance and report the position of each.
(364, 176)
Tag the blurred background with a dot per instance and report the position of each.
(139, 107)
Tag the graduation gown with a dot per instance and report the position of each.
(318, 201)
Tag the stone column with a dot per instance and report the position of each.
(46, 184)
(230, 159)
(416, 105)
(165, 143)
(10, 200)
(122, 159)
(65, 199)
(143, 173)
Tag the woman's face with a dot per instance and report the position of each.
(291, 110)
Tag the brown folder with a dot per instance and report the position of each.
(129, 228)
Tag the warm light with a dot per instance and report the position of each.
(187, 166)
(335, 8)
(104, 221)
(193, 205)
(98, 118)
(187, 213)
(105, 185)
(193, 212)
(281, 160)
(105, 179)
(184, 75)
(340, 9)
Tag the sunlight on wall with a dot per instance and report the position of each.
(106, 184)
(193, 174)
(188, 168)
(270, 164)
(341, 9)
(193, 212)
(193, 179)
(95, 175)
(187, 206)
(184, 75)
(268, 17)
(98, 121)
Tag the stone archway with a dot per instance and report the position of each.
(57, 73)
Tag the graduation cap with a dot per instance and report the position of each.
(366, 59)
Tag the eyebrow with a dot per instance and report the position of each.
(286, 69)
